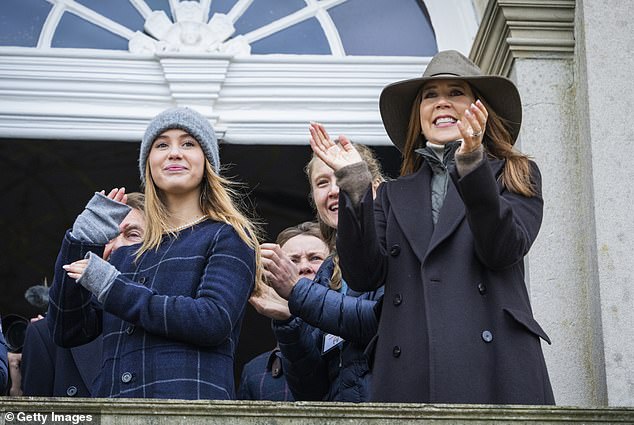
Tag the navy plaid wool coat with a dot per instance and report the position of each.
(170, 321)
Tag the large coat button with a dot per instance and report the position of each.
(487, 336)
(397, 299)
(126, 377)
(482, 288)
(396, 351)
(71, 391)
(395, 250)
(142, 280)
(129, 330)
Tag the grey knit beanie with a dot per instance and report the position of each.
(185, 119)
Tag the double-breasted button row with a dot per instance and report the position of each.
(397, 299)
(126, 377)
(130, 329)
(482, 288)
(395, 250)
(396, 351)
(71, 391)
(142, 280)
(487, 336)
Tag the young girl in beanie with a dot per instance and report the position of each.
(170, 309)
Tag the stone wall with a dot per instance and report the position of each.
(571, 62)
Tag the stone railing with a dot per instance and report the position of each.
(136, 411)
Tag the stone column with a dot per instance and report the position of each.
(533, 43)
(605, 94)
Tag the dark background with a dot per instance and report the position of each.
(44, 184)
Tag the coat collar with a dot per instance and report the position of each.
(274, 363)
(410, 198)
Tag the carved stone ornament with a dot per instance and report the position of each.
(189, 34)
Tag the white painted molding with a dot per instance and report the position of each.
(455, 23)
(523, 28)
(109, 95)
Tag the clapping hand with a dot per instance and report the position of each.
(279, 271)
(472, 127)
(268, 303)
(335, 155)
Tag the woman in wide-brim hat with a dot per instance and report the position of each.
(448, 240)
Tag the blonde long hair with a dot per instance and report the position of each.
(329, 234)
(217, 201)
(498, 144)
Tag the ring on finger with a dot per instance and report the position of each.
(476, 134)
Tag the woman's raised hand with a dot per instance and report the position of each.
(472, 127)
(334, 155)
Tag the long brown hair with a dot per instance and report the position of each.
(329, 233)
(218, 201)
(498, 144)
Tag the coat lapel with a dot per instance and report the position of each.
(451, 214)
(453, 210)
(410, 199)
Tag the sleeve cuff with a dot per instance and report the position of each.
(467, 162)
(98, 276)
(99, 222)
(354, 179)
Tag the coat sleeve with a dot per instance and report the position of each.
(504, 224)
(305, 370)
(73, 315)
(208, 318)
(361, 240)
(351, 318)
(38, 364)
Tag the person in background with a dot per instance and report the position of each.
(448, 240)
(4, 369)
(323, 342)
(52, 371)
(170, 311)
(263, 377)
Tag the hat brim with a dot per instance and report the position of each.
(397, 98)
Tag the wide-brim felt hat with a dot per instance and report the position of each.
(499, 92)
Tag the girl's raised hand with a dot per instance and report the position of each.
(117, 194)
(334, 155)
(76, 270)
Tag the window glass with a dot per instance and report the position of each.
(75, 32)
(120, 11)
(379, 27)
(305, 38)
(21, 21)
(365, 27)
(261, 13)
